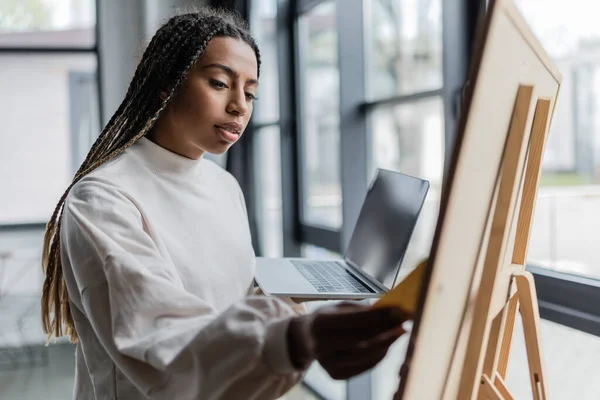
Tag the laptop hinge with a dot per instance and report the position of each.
(372, 281)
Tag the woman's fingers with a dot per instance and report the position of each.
(344, 343)
(350, 338)
(348, 367)
(361, 323)
(356, 351)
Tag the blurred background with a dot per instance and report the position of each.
(347, 86)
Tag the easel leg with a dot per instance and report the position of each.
(509, 328)
(499, 384)
(488, 391)
(493, 391)
(531, 328)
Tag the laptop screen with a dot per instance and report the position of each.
(385, 224)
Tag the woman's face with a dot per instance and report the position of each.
(214, 105)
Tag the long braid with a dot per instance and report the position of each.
(165, 64)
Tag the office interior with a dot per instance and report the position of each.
(346, 87)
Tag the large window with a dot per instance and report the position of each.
(366, 84)
(409, 138)
(266, 132)
(263, 24)
(319, 110)
(49, 116)
(268, 190)
(405, 47)
(407, 134)
(47, 23)
(49, 105)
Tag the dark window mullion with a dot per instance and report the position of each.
(288, 99)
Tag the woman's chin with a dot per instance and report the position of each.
(220, 148)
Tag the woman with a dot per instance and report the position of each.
(148, 257)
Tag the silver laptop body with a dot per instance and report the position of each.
(379, 241)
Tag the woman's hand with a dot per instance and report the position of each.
(346, 339)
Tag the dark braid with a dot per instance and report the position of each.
(164, 66)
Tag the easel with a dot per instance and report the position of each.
(474, 281)
(492, 379)
(506, 251)
(483, 372)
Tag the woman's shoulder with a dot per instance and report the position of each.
(110, 177)
(94, 190)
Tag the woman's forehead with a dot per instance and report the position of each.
(233, 53)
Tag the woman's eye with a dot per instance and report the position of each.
(218, 84)
(250, 96)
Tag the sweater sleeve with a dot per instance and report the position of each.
(168, 342)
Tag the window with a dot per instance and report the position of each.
(50, 108)
(263, 23)
(50, 103)
(267, 133)
(320, 147)
(566, 217)
(47, 23)
(268, 190)
(407, 129)
(409, 138)
(366, 86)
(406, 47)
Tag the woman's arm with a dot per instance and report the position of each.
(168, 342)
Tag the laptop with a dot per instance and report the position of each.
(370, 265)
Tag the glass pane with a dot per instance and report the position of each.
(264, 28)
(406, 47)
(567, 213)
(47, 23)
(320, 117)
(268, 191)
(409, 138)
(48, 124)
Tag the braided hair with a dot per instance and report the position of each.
(171, 53)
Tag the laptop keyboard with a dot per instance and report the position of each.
(330, 277)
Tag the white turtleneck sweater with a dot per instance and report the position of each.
(159, 266)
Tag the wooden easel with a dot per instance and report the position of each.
(474, 281)
(484, 371)
(492, 379)
(506, 251)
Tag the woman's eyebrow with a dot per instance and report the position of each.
(229, 71)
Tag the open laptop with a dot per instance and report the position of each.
(379, 241)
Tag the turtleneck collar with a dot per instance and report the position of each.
(162, 160)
